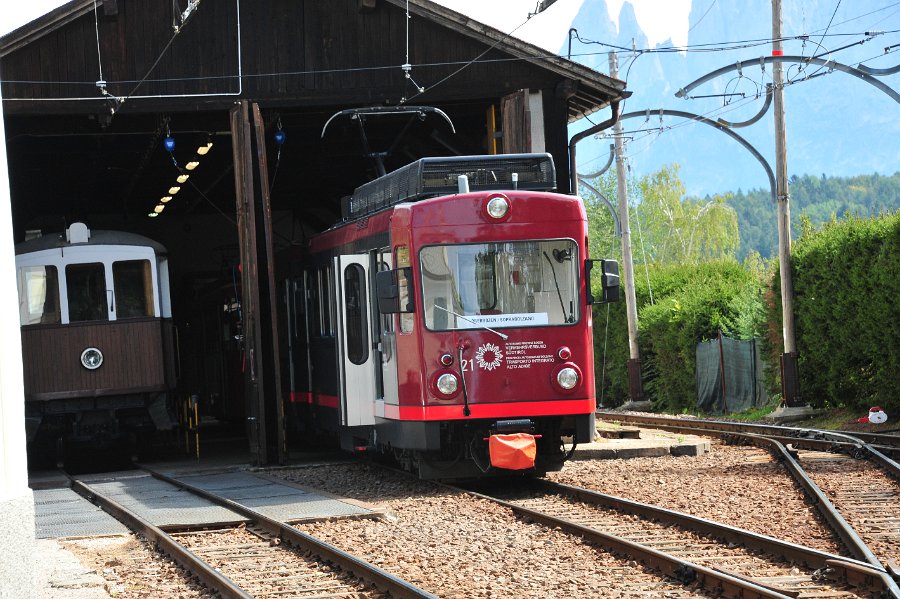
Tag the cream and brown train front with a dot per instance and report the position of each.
(97, 338)
(464, 333)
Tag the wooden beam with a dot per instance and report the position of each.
(271, 372)
(262, 379)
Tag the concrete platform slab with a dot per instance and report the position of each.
(651, 443)
(61, 576)
(273, 499)
(786, 414)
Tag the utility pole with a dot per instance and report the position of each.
(790, 383)
(635, 388)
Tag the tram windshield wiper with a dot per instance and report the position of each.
(469, 320)
(560, 256)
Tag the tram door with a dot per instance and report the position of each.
(385, 343)
(355, 347)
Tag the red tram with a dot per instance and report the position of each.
(447, 319)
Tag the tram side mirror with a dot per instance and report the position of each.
(394, 290)
(609, 281)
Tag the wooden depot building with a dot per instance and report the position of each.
(95, 92)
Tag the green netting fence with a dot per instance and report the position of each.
(729, 376)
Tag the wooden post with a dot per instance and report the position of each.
(790, 383)
(635, 387)
(262, 378)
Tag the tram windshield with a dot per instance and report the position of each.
(511, 284)
(38, 295)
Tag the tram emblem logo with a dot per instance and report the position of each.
(489, 356)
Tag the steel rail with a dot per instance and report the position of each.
(184, 557)
(820, 501)
(869, 451)
(725, 584)
(855, 572)
(817, 443)
(381, 579)
(827, 509)
(884, 442)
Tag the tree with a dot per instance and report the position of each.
(684, 230)
(602, 241)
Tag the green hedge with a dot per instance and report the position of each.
(846, 279)
(691, 304)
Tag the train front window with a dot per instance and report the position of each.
(133, 286)
(511, 284)
(38, 295)
(86, 292)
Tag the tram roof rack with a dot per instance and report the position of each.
(431, 177)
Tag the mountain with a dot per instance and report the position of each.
(817, 198)
(837, 124)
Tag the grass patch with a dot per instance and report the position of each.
(756, 414)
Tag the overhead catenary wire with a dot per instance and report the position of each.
(101, 83)
(473, 61)
(728, 46)
(186, 15)
(350, 70)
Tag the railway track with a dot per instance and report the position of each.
(260, 558)
(861, 509)
(722, 559)
(867, 498)
(875, 445)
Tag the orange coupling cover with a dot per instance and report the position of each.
(512, 452)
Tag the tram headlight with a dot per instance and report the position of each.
(497, 207)
(447, 383)
(567, 378)
(91, 358)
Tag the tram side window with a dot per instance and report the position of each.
(133, 285)
(315, 307)
(297, 305)
(357, 323)
(86, 292)
(328, 302)
(38, 295)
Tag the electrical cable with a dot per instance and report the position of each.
(703, 16)
(186, 17)
(471, 62)
(644, 253)
(351, 70)
(99, 61)
(603, 360)
(830, 21)
(889, 6)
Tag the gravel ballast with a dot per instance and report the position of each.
(456, 545)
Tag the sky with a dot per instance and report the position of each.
(659, 19)
(16, 14)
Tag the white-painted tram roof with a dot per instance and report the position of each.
(97, 238)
